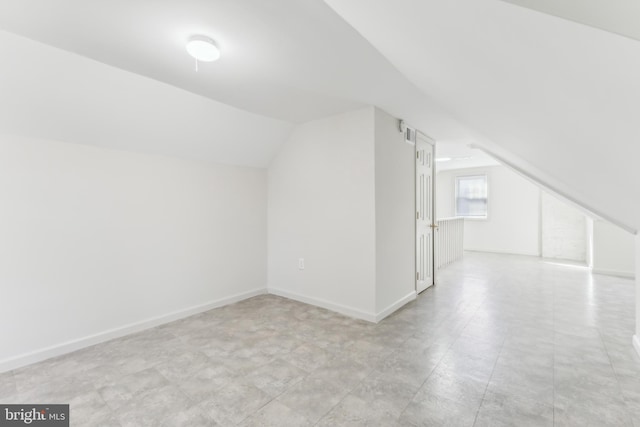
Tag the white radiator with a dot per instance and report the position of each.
(449, 241)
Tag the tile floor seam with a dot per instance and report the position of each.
(484, 306)
(615, 374)
(439, 361)
(254, 412)
(351, 391)
(331, 409)
(275, 398)
(189, 398)
(421, 384)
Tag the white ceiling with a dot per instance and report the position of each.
(555, 97)
(268, 48)
(294, 60)
(286, 61)
(462, 156)
(617, 16)
(52, 94)
(561, 96)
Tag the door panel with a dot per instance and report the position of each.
(424, 212)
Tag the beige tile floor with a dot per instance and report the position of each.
(500, 341)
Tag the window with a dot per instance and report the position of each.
(471, 196)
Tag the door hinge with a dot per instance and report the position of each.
(417, 275)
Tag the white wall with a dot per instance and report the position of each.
(589, 249)
(395, 217)
(56, 94)
(613, 250)
(321, 207)
(512, 225)
(93, 240)
(341, 196)
(522, 219)
(636, 337)
(563, 230)
(547, 100)
(446, 192)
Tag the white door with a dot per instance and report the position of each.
(424, 212)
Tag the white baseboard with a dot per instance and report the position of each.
(625, 274)
(396, 306)
(77, 344)
(338, 308)
(636, 343)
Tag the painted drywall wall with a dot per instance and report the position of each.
(321, 207)
(589, 249)
(616, 16)
(563, 230)
(94, 240)
(613, 250)
(395, 217)
(512, 225)
(445, 192)
(545, 91)
(54, 94)
(341, 196)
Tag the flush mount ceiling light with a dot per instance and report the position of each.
(203, 49)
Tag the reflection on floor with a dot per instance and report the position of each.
(501, 340)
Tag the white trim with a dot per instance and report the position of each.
(636, 344)
(396, 306)
(616, 273)
(456, 179)
(77, 344)
(338, 308)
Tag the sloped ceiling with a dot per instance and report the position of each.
(617, 16)
(458, 155)
(558, 99)
(116, 74)
(561, 97)
(52, 94)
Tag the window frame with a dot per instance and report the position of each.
(455, 200)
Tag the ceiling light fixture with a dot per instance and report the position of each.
(203, 49)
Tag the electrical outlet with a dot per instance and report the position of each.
(301, 264)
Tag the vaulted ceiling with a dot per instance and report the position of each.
(53, 94)
(555, 97)
(558, 98)
(290, 60)
(616, 16)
